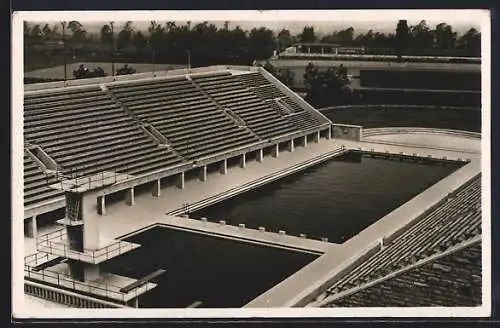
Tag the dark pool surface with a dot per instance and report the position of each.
(456, 119)
(218, 272)
(336, 199)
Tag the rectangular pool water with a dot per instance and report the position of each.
(212, 270)
(336, 199)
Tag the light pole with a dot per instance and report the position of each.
(112, 48)
(64, 50)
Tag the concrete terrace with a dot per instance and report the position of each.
(121, 220)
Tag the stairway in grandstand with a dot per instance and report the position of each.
(191, 121)
(454, 225)
(36, 183)
(229, 92)
(279, 101)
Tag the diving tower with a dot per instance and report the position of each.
(72, 256)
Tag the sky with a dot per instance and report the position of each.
(324, 21)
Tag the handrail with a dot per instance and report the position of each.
(50, 241)
(66, 281)
(386, 130)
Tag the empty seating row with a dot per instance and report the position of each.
(191, 121)
(228, 92)
(253, 79)
(451, 280)
(93, 134)
(36, 183)
(268, 91)
(457, 220)
(304, 120)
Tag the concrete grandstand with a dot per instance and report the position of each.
(144, 130)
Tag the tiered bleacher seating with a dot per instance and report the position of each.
(304, 120)
(191, 121)
(451, 280)
(268, 91)
(229, 92)
(457, 220)
(36, 183)
(85, 131)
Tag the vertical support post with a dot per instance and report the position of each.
(276, 151)
(329, 133)
(243, 161)
(101, 205)
(260, 155)
(305, 141)
(223, 166)
(136, 302)
(291, 146)
(157, 188)
(130, 197)
(32, 227)
(203, 173)
(180, 181)
(316, 136)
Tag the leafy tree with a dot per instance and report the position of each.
(261, 43)
(346, 36)
(139, 41)
(402, 37)
(84, 73)
(156, 35)
(36, 33)
(308, 34)
(327, 87)
(422, 36)
(124, 38)
(470, 42)
(444, 36)
(285, 39)
(125, 70)
(78, 33)
(106, 34)
(286, 76)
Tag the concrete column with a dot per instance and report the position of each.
(32, 228)
(276, 151)
(305, 141)
(180, 181)
(157, 188)
(260, 155)
(136, 302)
(291, 146)
(243, 161)
(202, 175)
(316, 137)
(322, 50)
(329, 134)
(223, 167)
(101, 205)
(91, 272)
(308, 50)
(130, 197)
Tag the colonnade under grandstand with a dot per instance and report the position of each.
(165, 137)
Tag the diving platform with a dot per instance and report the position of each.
(91, 182)
(57, 243)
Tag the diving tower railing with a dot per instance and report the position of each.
(55, 243)
(101, 288)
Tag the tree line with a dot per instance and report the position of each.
(205, 43)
